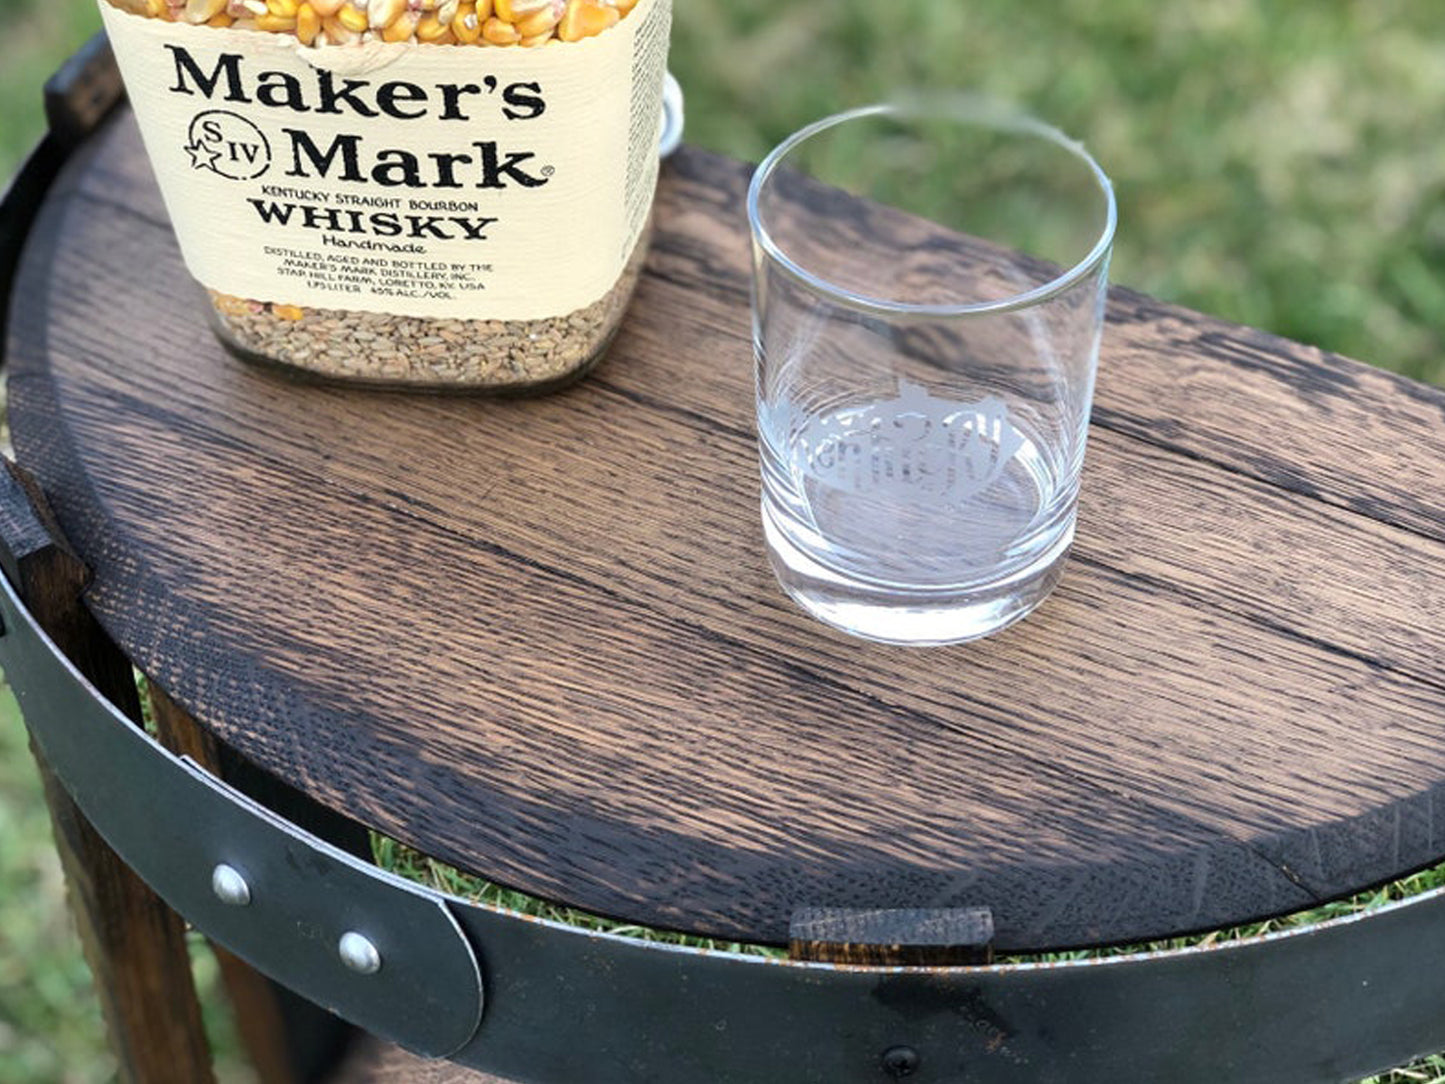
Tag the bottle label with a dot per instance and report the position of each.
(444, 181)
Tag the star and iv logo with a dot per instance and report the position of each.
(228, 145)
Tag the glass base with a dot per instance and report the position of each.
(916, 616)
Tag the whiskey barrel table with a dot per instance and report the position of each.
(538, 639)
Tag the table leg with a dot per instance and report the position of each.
(375, 1062)
(136, 948)
(259, 1017)
(134, 943)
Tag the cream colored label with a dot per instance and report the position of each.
(421, 180)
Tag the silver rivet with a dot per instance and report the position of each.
(359, 954)
(229, 886)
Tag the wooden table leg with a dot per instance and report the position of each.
(259, 1018)
(372, 1061)
(136, 948)
(134, 943)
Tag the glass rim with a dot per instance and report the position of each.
(961, 107)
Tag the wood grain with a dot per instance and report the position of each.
(134, 944)
(372, 1061)
(258, 1015)
(539, 638)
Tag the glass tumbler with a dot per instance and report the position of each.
(928, 297)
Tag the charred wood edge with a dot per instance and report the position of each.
(19, 206)
(911, 937)
(83, 92)
(134, 943)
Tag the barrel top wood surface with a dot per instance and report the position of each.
(539, 638)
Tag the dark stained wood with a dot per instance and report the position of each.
(942, 937)
(182, 735)
(258, 1015)
(134, 944)
(85, 89)
(260, 1022)
(539, 638)
(372, 1061)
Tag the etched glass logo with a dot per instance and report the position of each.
(914, 443)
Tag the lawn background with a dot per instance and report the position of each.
(1278, 163)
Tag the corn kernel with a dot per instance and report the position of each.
(337, 33)
(200, 11)
(287, 312)
(500, 33)
(429, 28)
(352, 18)
(230, 304)
(586, 18)
(285, 8)
(466, 26)
(275, 24)
(308, 24)
(382, 13)
(401, 28)
(542, 20)
(512, 10)
(221, 21)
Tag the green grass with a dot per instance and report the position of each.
(49, 1019)
(40, 36)
(1278, 163)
